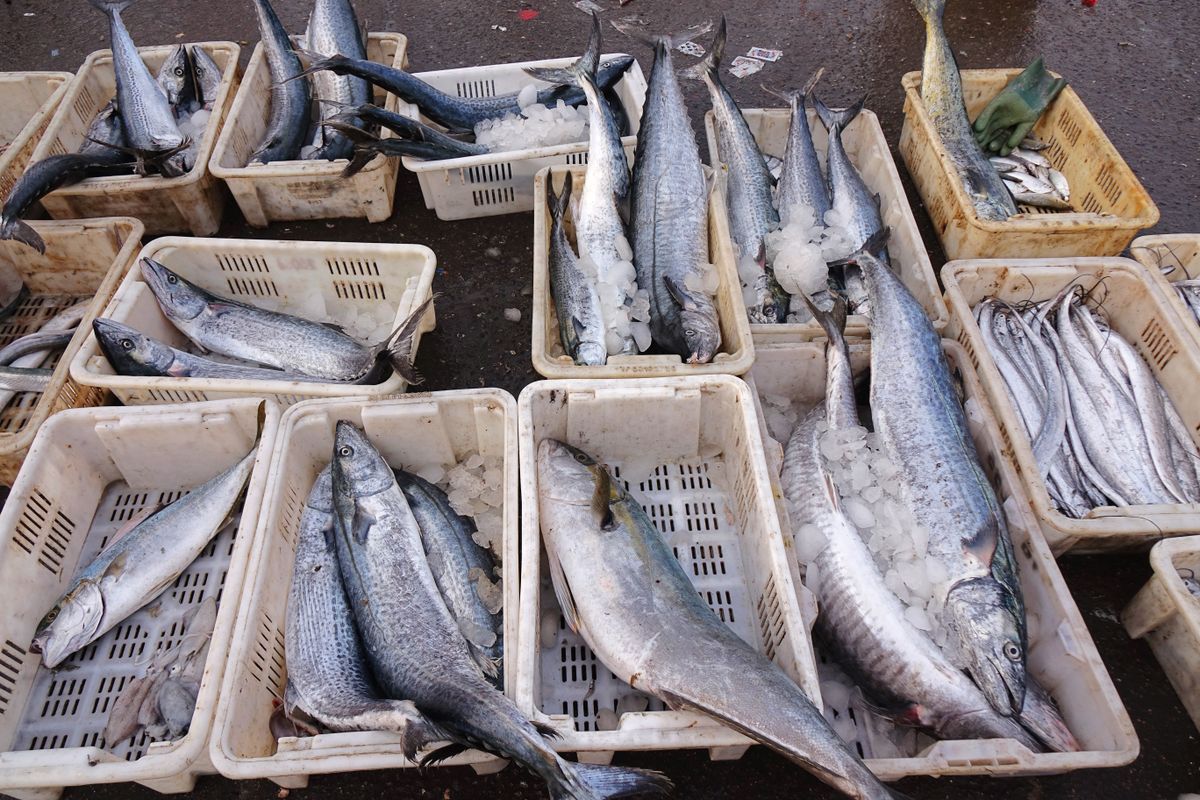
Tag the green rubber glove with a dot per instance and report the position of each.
(1012, 113)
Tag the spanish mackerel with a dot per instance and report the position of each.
(669, 215)
(333, 31)
(622, 589)
(901, 670)
(414, 644)
(276, 340)
(329, 677)
(462, 113)
(941, 92)
(146, 116)
(130, 573)
(801, 181)
(291, 100)
(576, 302)
(921, 425)
(752, 212)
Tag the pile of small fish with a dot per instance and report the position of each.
(787, 237)
(27, 363)
(348, 123)
(386, 629)
(137, 564)
(153, 125)
(1030, 178)
(649, 284)
(264, 345)
(1102, 428)
(622, 589)
(904, 618)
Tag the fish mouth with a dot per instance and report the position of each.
(1005, 697)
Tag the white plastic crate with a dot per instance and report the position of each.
(1136, 309)
(736, 353)
(348, 275)
(27, 102)
(1179, 253)
(414, 431)
(1167, 616)
(502, 183)
(290, 190)
(190, 203)
(868, 150)
(1061, 653)
(710, 497)
(88, 472)
(83, 259)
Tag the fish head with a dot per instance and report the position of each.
(701, 334)
(106, 127)
(208, 77)
(130, 352)
(71, 624)
(988, 634)
(179, 298)
(591, 353)
(567, 474)
(357, 470)
(176, 77)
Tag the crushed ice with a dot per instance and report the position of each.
(535, 126)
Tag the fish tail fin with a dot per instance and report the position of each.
(317, 63)
(930, 10)
(795, 97)
(716, 51)
(666, 41)
(583, 69)
(114, 6)
(401, 344)
(18, 230)
(839, 117)
(599, 781)
(557, 203)
(833, 321)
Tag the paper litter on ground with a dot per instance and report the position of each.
(765, 54)
(691, 49)
(742, 66)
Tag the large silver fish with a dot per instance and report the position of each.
(921, 425)
(291, 100)
(669, 216)
(276, 340)
(333, 31)
(576, 303)
(329, 677)
(130, 573)
(413, 642)
(146, 115)
(801, 181)
(621, 588)
(941, 92)
(749, 200)
(861, 620)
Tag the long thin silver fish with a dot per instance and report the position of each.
(291, 100)
(277, 340)
(941, 92)
(39, 341)
(861, 620)
(329, 677)
(132, 572)
(622, 589)
(752, 213)
(333, 30)
(146, 116)
(921, 425)
(576, 303)
(66, 319)
(413, 642)
(669, 216)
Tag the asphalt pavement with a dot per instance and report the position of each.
(1134, 64)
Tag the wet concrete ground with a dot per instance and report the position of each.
(1134, 64)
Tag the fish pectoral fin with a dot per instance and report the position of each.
(578, 326)
(677, 293)
(982, 546)
(363, 522)
(562, 590)
(602, 502)
(444, 752)
(116, 567)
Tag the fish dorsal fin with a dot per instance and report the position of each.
(562, 590)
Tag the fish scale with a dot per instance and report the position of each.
(333, 31)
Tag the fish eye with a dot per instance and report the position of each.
(345, 451)
(582, 458)
(172, 279)
(127, 344)
(53, 615)
(689, 333)
(1011, 651)
(179, 71)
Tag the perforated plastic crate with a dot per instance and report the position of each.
(736, 353)
(1167, 616)
(1061, 653)
(287, 190)
(1169, 258)
(83, 260)
(502, 183)
(868, 150)
(1110, 205)
(190, 203)
(689, 451)
(27, 101)
(1140, 312)
(413, 432)
(88, 472)
(348, 276)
